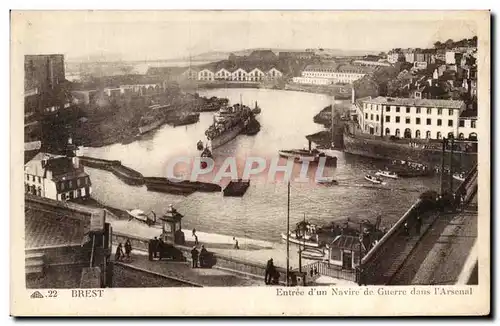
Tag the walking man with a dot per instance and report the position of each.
(269, 271)
(155, 247)
(150, 249)
(128, 248)
(236, 245)
(418, 225)
(194, 257)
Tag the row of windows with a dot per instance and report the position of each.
(418, 120)
(69, 183)
(408, 109)
(33, 178)
(428, 134)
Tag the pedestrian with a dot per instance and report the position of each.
(269, 271)
(194, 232)
(196, 240)
(203, 256)
(194, 257)
(236, 245)
(311, 273)
(119, 253)
(150, 249)
(418, 225)
(161, 247)
(315, 270)
(155, 247)
(128, 248)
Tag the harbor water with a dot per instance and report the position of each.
(261, 213)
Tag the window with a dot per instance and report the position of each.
(33, 178)
(63, 196)
(439, 122)
(387, 109)
(450, 135)
(450, 123)
(387, 132)
(407, 121)
(371, 117)
(438, 135)
(440, 111)
(387, 118)
(450, 112)
(461, 135)
(39, 180)
(407, 110)
(461, 123)
(473, 124)
(377, 117)
(78, 182)
(397, 108)
(429, 122)
(428, 135)
(397, 133)
(70, 184)
(429, 111)
(28, 177)
(417, 121)
(397, 119)
(417, 134)
(71, 195)
(62, 185)
(418, 110)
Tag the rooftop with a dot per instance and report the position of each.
(60, 166)
(469, 114)
(448, 104)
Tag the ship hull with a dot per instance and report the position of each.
(388, 150)
(151, 126)
(227, 136)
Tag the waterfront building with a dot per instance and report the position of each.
(467, 125)
(239, 75)
(410, 117)
(371, 63)
(56, 177)
(409, 55)
(420, 65)
(332, 74)
(222, 74)
(190, 74)
(206, 74)
(395, 56)
(256, 75)
(344, 251)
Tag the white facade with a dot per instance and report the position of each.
(223, 74)
(468, 128)
(239, 75)
(312, 81)
(274, 73)
(256, 75)
(206, 74)
(450, 58)
(410, 121)
(39, 178)
(327, 76)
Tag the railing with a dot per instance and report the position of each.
(326, 269)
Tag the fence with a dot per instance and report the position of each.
(326, 269)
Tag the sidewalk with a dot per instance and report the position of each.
(440, 254)
(183, 272)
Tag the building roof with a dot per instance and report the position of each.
(469, 113)
(61, 167)
(348, 242)
(331, 67)
(448, 104)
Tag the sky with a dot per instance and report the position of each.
(166, 35)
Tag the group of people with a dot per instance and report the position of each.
(155, 248)
(120, 254)
(199, 258)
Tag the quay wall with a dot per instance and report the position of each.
(391, 150)
(128, 175)
(247, 268)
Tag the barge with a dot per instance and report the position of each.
(183, 186)
(236, 188)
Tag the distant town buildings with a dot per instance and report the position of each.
(327, 74)
(416, 118)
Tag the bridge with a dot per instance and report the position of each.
(435, 255)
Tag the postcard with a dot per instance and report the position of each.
(250, 163)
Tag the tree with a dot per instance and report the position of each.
(449, 43)
(438, 45)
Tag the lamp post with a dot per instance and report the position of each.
(288, 238)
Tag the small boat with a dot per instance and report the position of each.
(327, 181)
(299, 154)
(139, 215)
(459, 176)
(387, 174)
(199, 145)
(314, 254)
(374, 179)
(256, 109)
(301, 241)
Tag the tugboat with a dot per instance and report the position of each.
(387, 174)
(327, 181)
(305, 234)
(374, 179)
(185, 119)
